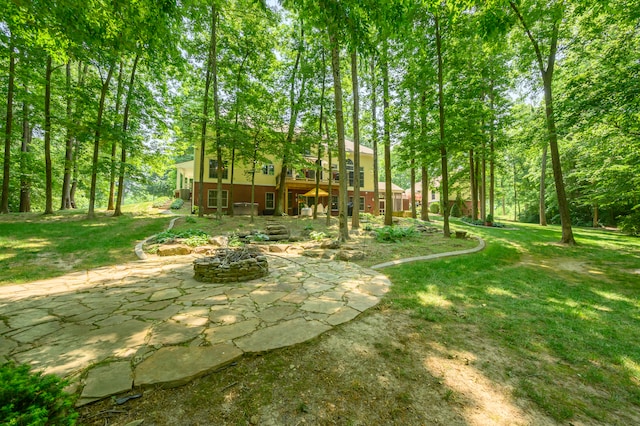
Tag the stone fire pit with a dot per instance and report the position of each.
(231, 265)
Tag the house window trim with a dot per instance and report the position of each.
(224, 199)
(213, 173)
(266, 201)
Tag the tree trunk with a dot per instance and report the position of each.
(374, 139)
(563, 205)
(125, 139)
(319, 158)
(474, 186)
(205, 110)
(48, 208)
(253, 174)
(82, 72)
(483, 183)
(114, 145)
(4, 198)
(515, 195)
(65, 202)
(330, 183)
(25, 179)
(491, 156)
(355, 217)
(96, 143)
(444, 202)
(543, 173)
(413, 187)
(424, 214)
(388, 203)
(547, 80)
(216, 115)
(425, 176)
(294, 106)
(595, 216)
(343, 226)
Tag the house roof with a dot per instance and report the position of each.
(348, 146)
(394, 188)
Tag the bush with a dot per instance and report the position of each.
(189, 234)
(28, 398)
(317, 236)
(434, 207)
(394, 234)
(630, 224)
(177, 204)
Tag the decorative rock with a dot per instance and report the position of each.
(284, 334)
(331, 244)
(349, 255)
(219, 241)
(107, 380)
(176, 365)
(174, 250)
(278, 248)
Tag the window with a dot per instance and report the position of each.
(361, 177)
(213, 198)
(361, 205)
(213, 170)
(334, 202)
(334, 172)
(433, 194)
(310, 174)
(350, 171)
(270, 200)
(268, 169)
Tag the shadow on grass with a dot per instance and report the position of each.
(567, 317)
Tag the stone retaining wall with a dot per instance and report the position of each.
(214, 270)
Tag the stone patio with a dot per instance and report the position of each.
(149, 323)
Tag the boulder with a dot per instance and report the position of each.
(174, 250)
(219, 241)
(330, 244)
(349, 255)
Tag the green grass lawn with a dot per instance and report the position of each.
(33, 246)
(567, 319)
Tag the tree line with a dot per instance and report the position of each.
(527, 105)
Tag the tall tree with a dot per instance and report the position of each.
(4, 200)
(553, 13)
(96, 141)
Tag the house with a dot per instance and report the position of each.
(400, 201)
(184, 180)
(299, 184)
(433, 194)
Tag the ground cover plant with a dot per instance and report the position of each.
(33, 246)
(526, 332)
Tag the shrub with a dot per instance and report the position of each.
(434, 208)
(190, 219)
(177, 204)
(317, 236)
(630, 224)
(171, 235)
(28, 398)
(235, 241)
(259, 237)
(394, 234)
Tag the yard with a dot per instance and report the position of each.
(525, 332)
